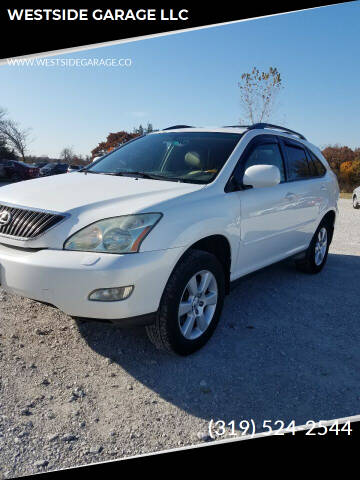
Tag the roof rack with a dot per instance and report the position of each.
(249, 127)
(277, 127)
(236, 126)
(178, 126)
(267, 125)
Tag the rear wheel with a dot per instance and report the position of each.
(316, 254)
(355, 202)
(191, 304)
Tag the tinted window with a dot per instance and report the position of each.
(297, 163)
(312, 167)
(319, 169)
(195, 157)
(266, 154)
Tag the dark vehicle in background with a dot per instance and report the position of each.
(73, 168)
(3, 164)
(16, 170)
(41, 164)
(53, 169)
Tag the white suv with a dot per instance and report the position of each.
(154, 232)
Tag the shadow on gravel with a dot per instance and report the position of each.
(287, 347)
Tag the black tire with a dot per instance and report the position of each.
(356, 202)
(165, 333)
(308, 264)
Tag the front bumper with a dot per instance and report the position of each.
(65, 279)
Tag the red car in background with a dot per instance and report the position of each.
(16, 170)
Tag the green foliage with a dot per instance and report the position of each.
(140, 130)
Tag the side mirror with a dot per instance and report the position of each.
(259, 176)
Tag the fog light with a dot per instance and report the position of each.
(111, 294)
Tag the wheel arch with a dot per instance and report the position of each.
(219, 246)
(330, 218)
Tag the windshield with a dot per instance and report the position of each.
(195, 157)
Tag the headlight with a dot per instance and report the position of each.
(114, 235)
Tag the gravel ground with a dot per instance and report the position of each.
(287, 347)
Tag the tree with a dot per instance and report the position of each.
(149, 128)
(14, 136)
(258, 94)
(2, 114)
(113, 140)
(349, 174)
(139, 130)
(143, 130)
(345, 163)
(336, 155)
(5, 152)
(67, 155)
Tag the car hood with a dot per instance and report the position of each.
(87, 198)
(65, 193)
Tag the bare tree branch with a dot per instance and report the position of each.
(258, 94)
(14, 136)
(67, 154)
(2, 114)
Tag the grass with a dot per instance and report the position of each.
(345, 195)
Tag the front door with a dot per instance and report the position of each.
(266, 213)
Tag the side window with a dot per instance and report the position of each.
(266, 154)
(312, 168)
(298, 167)
(320, 170)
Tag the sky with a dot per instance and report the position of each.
(192, 78)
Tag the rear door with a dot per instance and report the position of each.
(321, 183)
(304, 191)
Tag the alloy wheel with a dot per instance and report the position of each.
(198, 304)
(321, 246)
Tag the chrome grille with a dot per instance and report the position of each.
(26, 223)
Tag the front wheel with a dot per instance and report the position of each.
(355, 202)
(191, 304)
(316, 254)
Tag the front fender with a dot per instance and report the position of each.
(182, 226)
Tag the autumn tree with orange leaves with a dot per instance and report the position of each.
(113, 140)
(350, 175)
(337, 154)
(345, 163)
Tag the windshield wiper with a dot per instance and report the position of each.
(132, 174)
(120, 174)
(135, 174)
(151, 176)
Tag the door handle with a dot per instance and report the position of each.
(323, 187)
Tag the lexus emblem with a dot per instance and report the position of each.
(5, 218)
